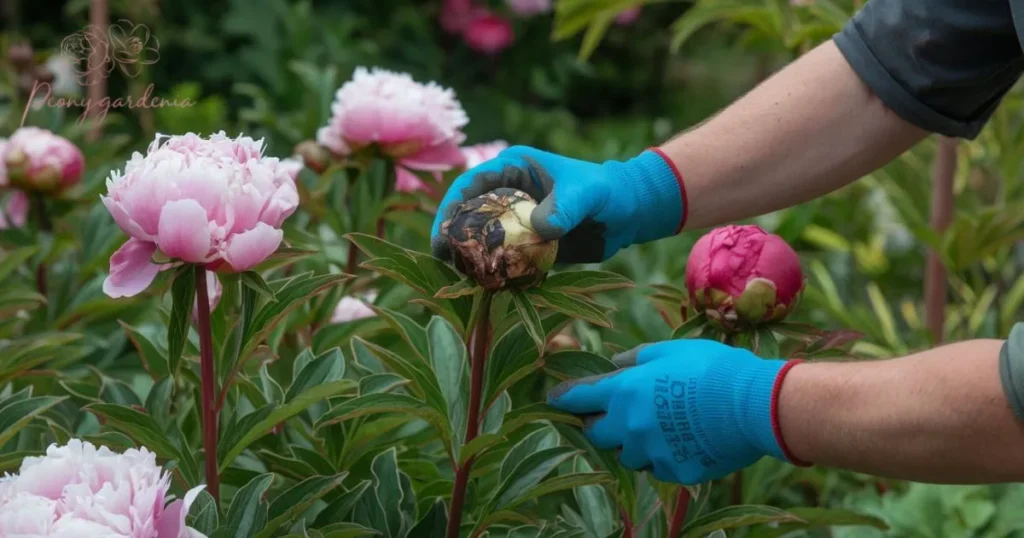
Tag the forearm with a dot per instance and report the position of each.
(938, 416)
(809, 129)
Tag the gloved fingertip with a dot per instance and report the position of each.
(547, 221)
(628, 358)
(439, 249)
(584, 395)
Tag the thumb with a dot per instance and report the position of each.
(570, 201)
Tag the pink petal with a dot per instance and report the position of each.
(245, 250)
(184, 231)
(439, 158)
(124, 221)
(16, 213)
(406, 181)
(213, 291)
(130, 269)
(280, 205)
(171, 523)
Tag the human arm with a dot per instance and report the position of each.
(695, 410)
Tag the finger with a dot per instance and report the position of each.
(605, 433)
(633, 456)
(584, 395)
(628, 358)
(571, 200)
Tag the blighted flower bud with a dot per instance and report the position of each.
(492, 242)
(743, 276)
(314, 156)
(19, 55)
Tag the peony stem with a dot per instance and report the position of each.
(679, 513)
(737, 488)
(479, 343)
(209, 389)
(627, 525)
(943, 174)
(42, 217)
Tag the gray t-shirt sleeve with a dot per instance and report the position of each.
(1011, 369)
(943, 65)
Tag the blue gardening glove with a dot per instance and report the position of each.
(598, 208)
(688, 410)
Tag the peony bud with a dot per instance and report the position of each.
(314, 156)
(488, 33)
(40, 161)
(491, 240)
(742, 275)
(19, 55)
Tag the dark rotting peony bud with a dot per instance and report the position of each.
(19, 55)
(492, 242)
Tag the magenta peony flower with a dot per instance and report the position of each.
(488, 33)
(79, 490)
(417, 125)
(481, 153)
(14, 212)
(39, 161)
(527, 8)
(352, 308)
(214, 201)
(628, 17)
(456, 14)
(743, 274)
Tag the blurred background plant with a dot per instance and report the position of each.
(593, 79)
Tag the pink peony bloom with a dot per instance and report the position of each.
(628, 17)
(39, 161)
(742, 273)
(481, 153)
(406, 181)
(14, 214)
(456, 14)
(488, 33)
(352, 308)
(80, 490)
(214, 201)
(527, 8)
(292, 166)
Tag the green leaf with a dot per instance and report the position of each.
(380, 383)
(402, 269)
(247, 514)
(765, 344)
(327, 368)
(158, 402)
(689, 326)
(561, 483)
(433, 523)
(514, 356)
(338, 530)
(478, 445)
(542, 439)
(450, 364)
(28, 352)
(814, 517)
(290, 294)
(253, 281)
(602, 459)
(574, 306)
(284, 412)
(16, 414)
(528, 474)
(13, 300)
(296, 500)
(13, 259)
(586, 281)
(534, 412)
(410, 331)
(734, 517)
(338, 510)
(424, 381)
(596, 507)
(461, 288)
(141, 428)
(183, 297)
(203, 515)
(530, 318)
(152, 353)
(371, 404)
(382, 510)
(576, 364)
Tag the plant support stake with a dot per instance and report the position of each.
(479, 343)
(209, 389)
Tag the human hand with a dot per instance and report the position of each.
(687, 410)
(598, 208)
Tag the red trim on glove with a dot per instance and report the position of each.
(776, 426)
(679, 180)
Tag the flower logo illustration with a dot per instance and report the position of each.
(124, 44)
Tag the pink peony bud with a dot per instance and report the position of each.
(740, 275)
(627, 17)
(79, 490)
(353, 308)
(526, 8)
(488, 33)
(481, 153)
(40, 161)
(214, 201)
(417, 125)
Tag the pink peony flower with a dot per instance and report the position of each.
(79, 490)
(14, 214)
(292, 166)
(527, 8)
(481, 153)
(488, 33)
(352, 308)
(456, 14)
(39, 161)
(214, 201)
(743, 274)
(417, 125)
(406, 181)
(628, 17)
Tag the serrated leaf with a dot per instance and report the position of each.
(284, 412)
(574, 306)
(586, 281)
(296, 500)
(247, 514)
(183, 297)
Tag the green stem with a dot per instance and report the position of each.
(209, 384)
(479, 343)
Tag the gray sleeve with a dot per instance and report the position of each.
(1011, 369)
(943, 65)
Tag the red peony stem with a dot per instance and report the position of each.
(943, 172)
(627, 524)
(209, 388)
(479, 343)
(42, 217)
(679, 513)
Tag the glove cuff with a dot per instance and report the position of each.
(660, 193)
(759, 389)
